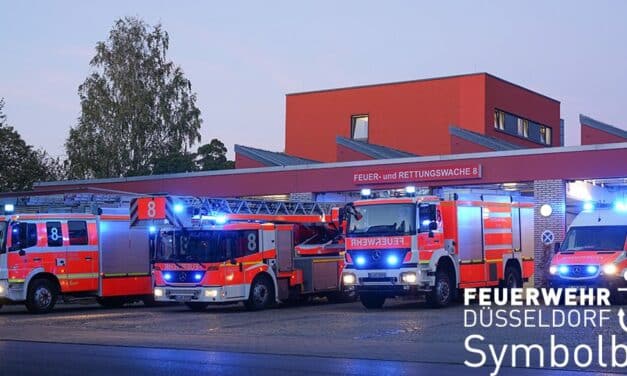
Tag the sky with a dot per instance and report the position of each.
(243, 57)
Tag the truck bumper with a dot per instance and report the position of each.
(209, 294)
(11, 292)
(390, 282)
(604, 282)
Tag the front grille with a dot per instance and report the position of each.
(378, 258)
(382, 279)
(192, 276)
(579, 271)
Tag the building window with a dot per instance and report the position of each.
(523, 127)
(359, 127)
(545, 135)
(499, 119)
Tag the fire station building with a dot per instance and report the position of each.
(473, 132)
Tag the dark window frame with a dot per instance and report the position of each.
(530, 125)
(354, 123)
(78, 240)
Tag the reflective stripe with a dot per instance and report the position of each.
(497, 230)
(492, 261)
(15, 280)
(111, 275)
(507, 247)
(327, 260)
(498, 214)
(78, 276)
(72, 248)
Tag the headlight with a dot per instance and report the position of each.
(409, 277)
(553, 269)
(158, 292)
(211, 293)
(610, 269)
(625, 275)
(1, 289)
(349, 279)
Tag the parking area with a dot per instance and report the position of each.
(402, 331)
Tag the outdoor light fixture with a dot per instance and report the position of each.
(9, 208)
(366, 192)
(410, 190)
(546, 210)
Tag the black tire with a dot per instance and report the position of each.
(443, 292)
(511, 278)
(261, 294)
(149, 301)
(372, 301)
(197, 306)
(42, 296)
(341, 297)
(111, 302)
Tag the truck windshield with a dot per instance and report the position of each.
(3, 235)
(384, 219)
(595, 238)
(205, 245)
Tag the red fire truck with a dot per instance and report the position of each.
(409, 246)
(228, 251)
(47, 256)
(594, 252)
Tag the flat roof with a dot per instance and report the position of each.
(421, 80)
(368, 163)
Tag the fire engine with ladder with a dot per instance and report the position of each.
(211, 250)
(410, 246)
(44, 256)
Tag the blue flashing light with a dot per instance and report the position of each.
(563, 269)
(392, 260)
(178, 208)
(588, 206)
(360, 260)
(592, 269)
(620, 206)
(167, 276)
(197, 276)
(152, 229)
(221, 219)
(426, 222)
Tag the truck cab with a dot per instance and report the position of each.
(594, 252)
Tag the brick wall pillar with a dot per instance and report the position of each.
(551, 192)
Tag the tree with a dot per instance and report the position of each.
(212, 156)
(21, 165)
(137, 107)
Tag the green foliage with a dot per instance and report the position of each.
(212, 156)
(21, 165)
(137, 108)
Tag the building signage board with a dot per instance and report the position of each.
(401, 175)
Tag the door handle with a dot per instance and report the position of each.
(37, 259)
(88, 258)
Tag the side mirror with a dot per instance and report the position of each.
(431, 234)
(433, 225)
(556, 247)
(22, 252)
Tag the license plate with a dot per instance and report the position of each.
(376, 275)
(183, 298)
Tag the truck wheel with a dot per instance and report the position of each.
(511, 278)
(442, 293)
(196, 307)
(341, 297)
(261, 294)
(111, 302)
(42, 296)
(372, 301)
